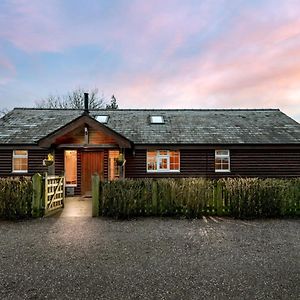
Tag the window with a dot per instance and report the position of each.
(157, 120)
(163, 161)
(102, 119)
(114, 168)
(222, 161)
(71, 167)
(20, 161)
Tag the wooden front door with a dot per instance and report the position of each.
(91, 162)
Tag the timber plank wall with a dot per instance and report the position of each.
(279, 163)
(35, 162)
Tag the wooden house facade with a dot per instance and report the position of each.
(138, 143)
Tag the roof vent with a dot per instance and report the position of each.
(157, 120)
(102, 119)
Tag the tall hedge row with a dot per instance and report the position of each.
(194, 197)
(15, 198)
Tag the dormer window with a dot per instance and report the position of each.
(102, 119)
(157, 120)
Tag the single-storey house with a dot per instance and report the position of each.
(136, 143)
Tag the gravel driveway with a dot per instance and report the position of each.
(212, 258)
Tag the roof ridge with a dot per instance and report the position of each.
(153, 109)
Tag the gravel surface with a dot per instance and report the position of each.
(94, 258)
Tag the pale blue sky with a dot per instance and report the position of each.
(153, 54)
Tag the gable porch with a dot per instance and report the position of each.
(84, 147)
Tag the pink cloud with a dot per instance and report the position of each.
(252, 62)
(140, 28)
(255, 64)
(7, 70)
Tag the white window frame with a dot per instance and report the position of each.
(158, 158)
(156, 119)
(71, 184)
(221, 156)
(102, 119)
(19, 156)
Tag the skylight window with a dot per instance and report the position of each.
(157, 120)
(102, 119)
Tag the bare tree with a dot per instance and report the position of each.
(113, 103)
(73, 99)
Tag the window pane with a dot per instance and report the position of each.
(151, 161)
(151, 165)
(163, 163)
(174, 166)
(163, 152)
(20, 152)
(218, 160)
(225, 159)
(156, 119)
(20, 161)
(222, 152)
(114, 169)
(71, 166)
(174, 160)
(225, 166)
(218, 166)
(151, 154)
(20, 164)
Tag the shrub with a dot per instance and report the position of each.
(194, 197)
(15, 198)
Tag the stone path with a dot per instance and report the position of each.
(76, 207)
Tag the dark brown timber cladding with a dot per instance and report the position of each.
(35, 162)
(245, 163)
(105, 164)
(59, 162)
(5, 162)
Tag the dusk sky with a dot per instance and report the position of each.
(153, 54)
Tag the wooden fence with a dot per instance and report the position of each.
(54, 193)
(194, 197)
(48, 194)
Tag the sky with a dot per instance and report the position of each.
(153, 54)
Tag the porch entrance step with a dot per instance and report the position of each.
(77, 207)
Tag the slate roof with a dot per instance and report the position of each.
(215, 126)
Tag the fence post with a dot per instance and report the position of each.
(37, 182)
(95, 195)
(46, 194)
(219, 198)
(154, 197)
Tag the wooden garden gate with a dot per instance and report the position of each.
(54, 193)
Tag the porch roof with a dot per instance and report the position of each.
(216, 126)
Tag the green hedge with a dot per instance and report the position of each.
(194, 197)
(15, 198)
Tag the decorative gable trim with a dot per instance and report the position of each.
(50, 139)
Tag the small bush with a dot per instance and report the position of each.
(15, 198)
(194, 197)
